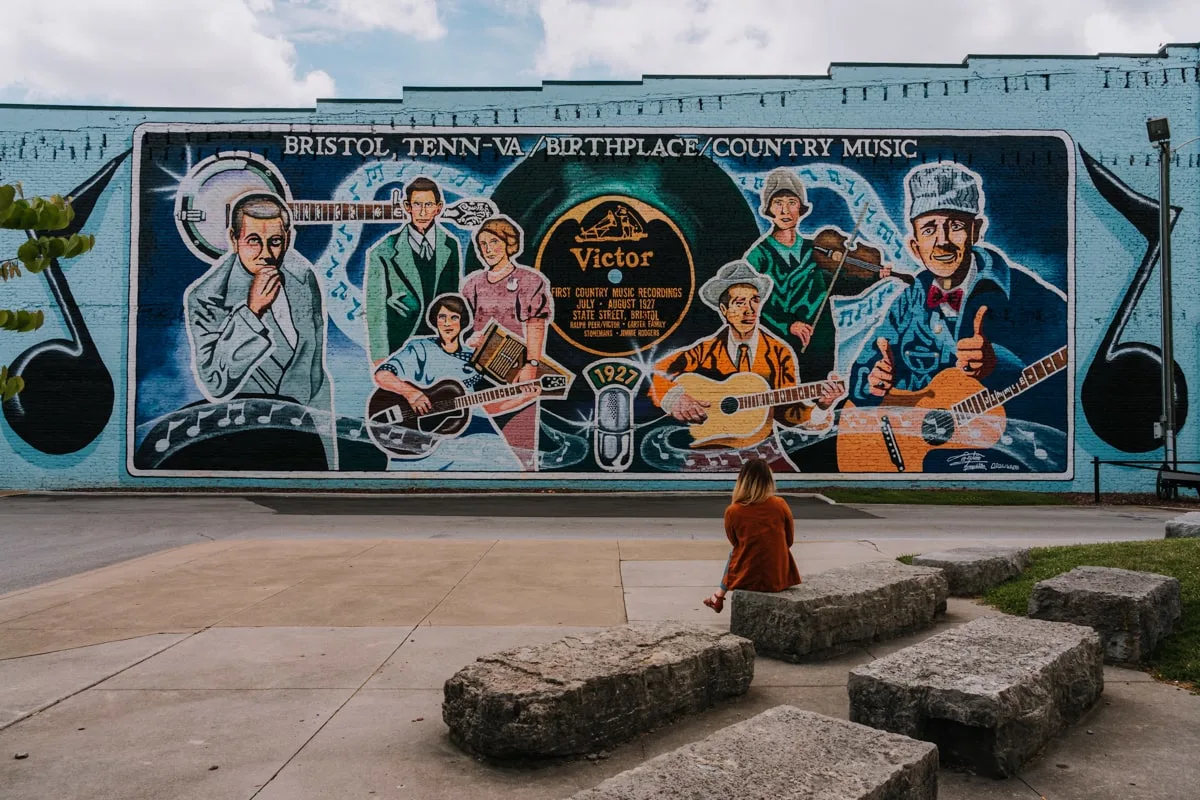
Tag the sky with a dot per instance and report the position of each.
(288, 53)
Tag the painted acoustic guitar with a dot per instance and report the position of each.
(953, 412)
(739, 412)
(449, 412)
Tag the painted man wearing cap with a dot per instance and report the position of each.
(969, 308)
(793, 312)
(736, 292)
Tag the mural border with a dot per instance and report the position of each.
(141, 130)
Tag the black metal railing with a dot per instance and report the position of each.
(1168, 480)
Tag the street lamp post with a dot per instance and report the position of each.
(1160, 136)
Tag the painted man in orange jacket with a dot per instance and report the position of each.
(736, 292)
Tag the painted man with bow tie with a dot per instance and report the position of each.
(970, 307)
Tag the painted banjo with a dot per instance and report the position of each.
(210, 188)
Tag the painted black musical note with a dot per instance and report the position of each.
(68, 395)
(1122, 390)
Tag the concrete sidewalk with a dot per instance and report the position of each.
(312, 667)
(47, 537)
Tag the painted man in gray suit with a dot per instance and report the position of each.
(256, 320)
(407, 269)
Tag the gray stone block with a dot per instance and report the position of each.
(1186, 526)
(989, 694)
(834, 610)
(1132, 611)
(784, 754)
(581, 694)
(971, 571)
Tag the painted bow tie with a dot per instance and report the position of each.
(937, 297)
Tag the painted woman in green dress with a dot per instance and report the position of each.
(796, 311)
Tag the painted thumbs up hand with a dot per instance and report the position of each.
(975, 354)
(879, 382)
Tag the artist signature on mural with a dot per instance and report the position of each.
(970, 461)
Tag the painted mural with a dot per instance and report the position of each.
(382, 303)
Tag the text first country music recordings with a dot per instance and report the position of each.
(402, 146)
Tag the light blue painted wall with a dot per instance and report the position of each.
(1101, 102)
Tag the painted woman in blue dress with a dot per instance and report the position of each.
(425, 360)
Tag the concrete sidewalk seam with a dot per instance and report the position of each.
(51, 703)
(354, 693)
(458, 583)
(125, 563)
(287, 588)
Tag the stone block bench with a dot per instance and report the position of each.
(971, 571)
(1132, 611)
(831, 611)
(581, 694)
(1186, 526)
(990, 694)
(784, 754)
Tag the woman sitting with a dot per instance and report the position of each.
(760, 527)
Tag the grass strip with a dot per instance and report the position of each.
(945, 497)
(1178, 657)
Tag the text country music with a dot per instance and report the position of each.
(401, 146)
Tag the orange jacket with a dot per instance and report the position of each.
(761, 535)
(709, 357)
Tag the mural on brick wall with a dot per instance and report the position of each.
(370, 301)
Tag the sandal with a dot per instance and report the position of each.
(715, 601)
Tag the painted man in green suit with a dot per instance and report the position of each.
(794, 310)
(407, 269)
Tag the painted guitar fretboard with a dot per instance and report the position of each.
(313, 212)
(486, 396)
(983, 401)
(780, 397)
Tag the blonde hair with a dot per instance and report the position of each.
(755, 483)
(504, 229)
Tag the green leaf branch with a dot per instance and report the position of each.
(36, 214)
(21, 321)
(10, 385)
(40, 216)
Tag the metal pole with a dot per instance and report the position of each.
(1096, 480)
(1168, 350)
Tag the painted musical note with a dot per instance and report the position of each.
(339, 292)
(240, 419)
(194, 429)
(162, 444)
(333, 265)
(300, 420)
(68, 397)
(265, 419)
(1129, 371)
(374, 175)
(353, 312)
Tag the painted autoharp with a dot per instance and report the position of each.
(501, 355)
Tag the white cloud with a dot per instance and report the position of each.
(186, 52)
(324, 19)
(635, 37)
(169, 52)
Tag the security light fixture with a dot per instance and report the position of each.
(1158, 129)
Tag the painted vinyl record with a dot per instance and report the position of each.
(625, 243)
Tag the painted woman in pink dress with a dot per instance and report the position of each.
(519, 300)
